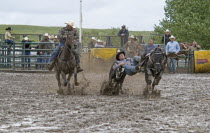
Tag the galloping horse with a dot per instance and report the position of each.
(154, 68)
(66, 64)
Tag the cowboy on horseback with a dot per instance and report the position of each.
(69, 30)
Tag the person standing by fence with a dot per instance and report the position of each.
(43, 54)
(26, 52)
(123, 34)
(165, 38)
(9, 37)
(9, 42)
(92, 43)
(172, 49)
(131, 47)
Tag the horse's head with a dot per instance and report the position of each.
(70, 42)
(157, 58)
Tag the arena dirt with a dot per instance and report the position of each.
(29, 103)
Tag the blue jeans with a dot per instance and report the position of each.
(25, 59)
(9, 42)
(41, 60)
(57, 49)
(171, 62)
(130, 69)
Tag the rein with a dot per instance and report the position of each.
(65, 46)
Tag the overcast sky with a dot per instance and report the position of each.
(98, 14)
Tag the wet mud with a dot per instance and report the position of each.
(30, 103)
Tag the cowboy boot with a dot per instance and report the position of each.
(50, 65)
(79, 69)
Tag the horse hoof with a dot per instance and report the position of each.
(65, 84)
(145, 93)
(77, 84)
(60, 92)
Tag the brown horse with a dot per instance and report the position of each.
(182, 53)
(66, 64)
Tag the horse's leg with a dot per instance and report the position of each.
(149, 80)
(75, 77)
(157, 79)
(68, 80)
(60, 91)
(145, 92)
(64, 79)
(121, 83)
(70, 88)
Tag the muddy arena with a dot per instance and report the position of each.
(30, 103)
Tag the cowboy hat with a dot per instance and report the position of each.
(171, 37)
(51, 36)
(167, 30)
(46, 34)
(118, 54)
(123, 26)
(26, 38)
(132, 36)
(99, 40)
(71, 23)
(93, 38)
(9, 28)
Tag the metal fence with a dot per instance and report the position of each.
(17, 58)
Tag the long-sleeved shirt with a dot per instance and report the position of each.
(99, 45)
(45, 46)
(165, 39)
(129, 66)
(123, 32)
(64, 32)
(172, 47)
(26, 45)
(148, 49)
(131, 47)
(127, 61)
(8, 36)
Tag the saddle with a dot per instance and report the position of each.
(172, 55)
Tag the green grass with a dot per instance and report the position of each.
(29, 29)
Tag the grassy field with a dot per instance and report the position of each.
(29, 29)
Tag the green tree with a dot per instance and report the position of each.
(188, 20)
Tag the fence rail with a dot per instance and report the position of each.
(111, 41)
(16, 57)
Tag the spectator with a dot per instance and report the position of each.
(131, 47)
(9, 37)
(138, 50)
(99, 44)
(123, 33)
(10, 42)
(51, 39)
(165, 38)
(92, 43)
(43, 54)
(148, 48)
(172, 49)
(56, 41)
(195, 46)
(26, 47)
